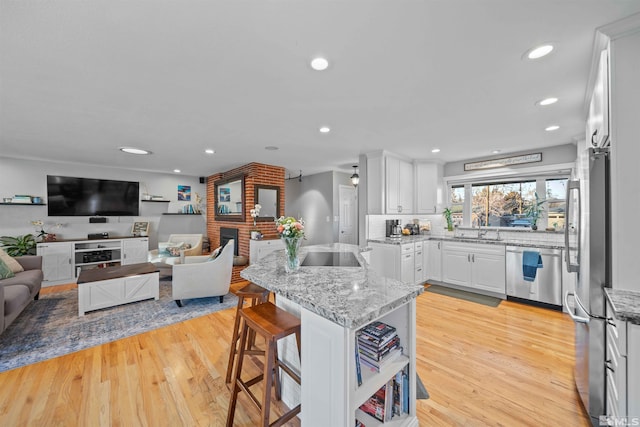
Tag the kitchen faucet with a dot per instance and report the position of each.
(481, 232)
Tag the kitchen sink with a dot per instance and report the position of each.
(479, 239)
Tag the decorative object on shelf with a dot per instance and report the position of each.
(140, 228)
(7, 200)
(255, 212)
(355, 178)
(534, 210)
(20, 245)
(184, 193)
(198, 206)
(447, 216)
(291, 232)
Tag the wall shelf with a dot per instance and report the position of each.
(24, 204)
(180, 213)
(155, 201)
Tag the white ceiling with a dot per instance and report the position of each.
(81, 78)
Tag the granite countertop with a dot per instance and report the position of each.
(486, 241)
(348, 296)
(626, 304)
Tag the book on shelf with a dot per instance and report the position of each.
(401, 392)
(379, 406)
(385, 361)
(378, 332)
(358, 368)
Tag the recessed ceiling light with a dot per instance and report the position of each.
(540, 51)
(325, 129)
(132, 150)
(552, 128)
(319, 64)
(177, 170)
(495, 151)
(435, 150)
(209, 151)
(547, 101)
(271, 148)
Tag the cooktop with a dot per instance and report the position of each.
(330, 259)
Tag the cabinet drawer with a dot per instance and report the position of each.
(616, 331)
(407, 247)
(419, 246)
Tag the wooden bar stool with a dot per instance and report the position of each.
(255, 295)
(272, 323)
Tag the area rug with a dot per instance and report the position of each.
(467, 296)
(51, 327)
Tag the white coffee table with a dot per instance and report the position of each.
(108, 287)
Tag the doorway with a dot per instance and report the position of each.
(348, 223)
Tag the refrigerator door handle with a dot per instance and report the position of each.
(577, 319)
(572, 268)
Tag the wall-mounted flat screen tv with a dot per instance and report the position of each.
(70, 196)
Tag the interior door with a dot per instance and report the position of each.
(348, 214)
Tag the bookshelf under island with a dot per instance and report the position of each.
(334, 303)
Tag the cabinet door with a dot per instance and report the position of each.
(598, 120)
(56, 261)
(385, 260)
(405, 187)
(135, 251)
(435, 260)
(418, 262)
(456, 267)
(266, 247)
(633, 369)
(427, 184)
(392, 175)
(488, 272)
(407, 268)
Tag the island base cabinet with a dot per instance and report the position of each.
(330, 394)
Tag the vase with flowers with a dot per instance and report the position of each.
(291, 232)
(42, 235)
(255, 213)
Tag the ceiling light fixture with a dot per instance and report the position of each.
(435, 150)
(271, 148)
(495, 151)
(540, 51)
(132, 150)
(209, 151)
(319, 64)
(552, 128)
(355, 178)
(547, 101)
(177, 170)
(325, 129)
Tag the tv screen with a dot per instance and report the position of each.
(70, 196)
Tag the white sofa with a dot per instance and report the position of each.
(200, 276)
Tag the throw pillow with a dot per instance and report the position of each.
(10, 262)
(215, 254)
(175, 248)
(5, 271)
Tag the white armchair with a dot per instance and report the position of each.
(201, 277)
(160, 254)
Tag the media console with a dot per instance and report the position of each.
(63, 261)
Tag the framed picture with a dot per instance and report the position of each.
(225, 194)
(140, 228)
(184, 193)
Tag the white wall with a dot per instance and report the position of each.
(312, 200)
(19, 176)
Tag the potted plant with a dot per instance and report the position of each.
(447, 216)
(20, 245)
(534, 210)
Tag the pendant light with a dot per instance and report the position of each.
(355, 178)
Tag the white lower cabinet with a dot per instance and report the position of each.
(135, 251)
(434, 260)
(623, 378)
(478, 266)
(57, 265)
(401, 262)
(62, 262)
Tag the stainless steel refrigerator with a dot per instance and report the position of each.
(588, 249)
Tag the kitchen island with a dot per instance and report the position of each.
(333, 303)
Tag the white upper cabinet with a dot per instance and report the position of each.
(429, 190)
(598, 120)
(389, 184)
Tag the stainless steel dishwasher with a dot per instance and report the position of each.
(546, 288)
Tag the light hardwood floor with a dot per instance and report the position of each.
(504, 366)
